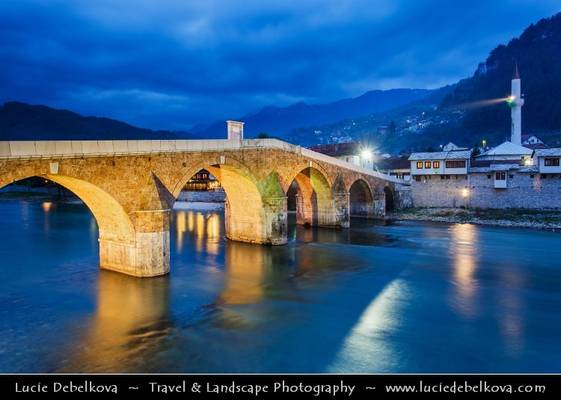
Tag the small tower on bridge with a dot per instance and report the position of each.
(235, 130)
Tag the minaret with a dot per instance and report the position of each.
(516, 102)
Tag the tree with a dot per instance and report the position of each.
(476, 150)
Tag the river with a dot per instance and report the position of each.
(401, 297)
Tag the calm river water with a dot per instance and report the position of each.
(405, 297)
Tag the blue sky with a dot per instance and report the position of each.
(171, 64)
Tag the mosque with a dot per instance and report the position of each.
(520, 173)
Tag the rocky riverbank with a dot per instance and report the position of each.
(536, 219)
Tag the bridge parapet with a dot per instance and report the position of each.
(96, 148)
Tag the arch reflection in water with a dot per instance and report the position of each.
(129, 326)
(205, 230)
(247, 267)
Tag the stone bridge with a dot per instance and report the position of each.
(131, 186)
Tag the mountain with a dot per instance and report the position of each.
(279, 121)
(20, 121)
(537, 51)
(473, 109)
(388, 130)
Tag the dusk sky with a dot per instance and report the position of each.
(171, 64)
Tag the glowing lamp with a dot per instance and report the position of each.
(465, 192)
(366, 154)
(510, 100)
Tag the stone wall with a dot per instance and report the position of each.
(524, 190)
(432, 191)
(403, 197)
(203, 196)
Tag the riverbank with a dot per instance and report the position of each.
(535, 219)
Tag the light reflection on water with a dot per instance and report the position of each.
(402, 297)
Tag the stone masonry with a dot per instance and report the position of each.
(524, 190)
(130, 188)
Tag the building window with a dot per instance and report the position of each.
(442, 177)
(417, 178)
(488, 176)
(427, 164)
(436, 164)
(531, 176)
(500, 176)
(456, 164)
(419, 165)
(510, 176)
(551, 162)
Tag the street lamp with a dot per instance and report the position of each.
(366, 154)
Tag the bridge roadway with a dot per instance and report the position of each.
(130, 187)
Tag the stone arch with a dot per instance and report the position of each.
(314, 199)
(295, 171)
(114, 224)
(190, 170)
(361, 199)
(255, 210)
(134, 243)
(389, 199)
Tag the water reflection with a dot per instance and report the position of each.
(47, 205)
(203, 229)
(511, 316)
(368, 299)
(464, 255)
(130, 323)
(245, 274)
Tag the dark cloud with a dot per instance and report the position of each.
(170, 64)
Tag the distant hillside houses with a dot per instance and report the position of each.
(352, 152)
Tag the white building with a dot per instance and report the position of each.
(452, 146)
(454, 162)
(548, 160)
(532, 140)
(507, 151)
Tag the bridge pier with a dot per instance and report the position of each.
(341, 206)
(269, 226)
(147, 254)
(325, 214)
(335, 213)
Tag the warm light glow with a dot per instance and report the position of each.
(464, 253)
(528, 162)
(465, 192)
(181, 225)
(47, 205)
